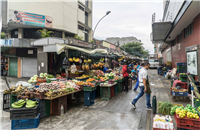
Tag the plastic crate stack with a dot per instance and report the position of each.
(6, 102)
(25, 118)
(89, 95)
(45, 108)
(181, 67)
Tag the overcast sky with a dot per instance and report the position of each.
(127, 18)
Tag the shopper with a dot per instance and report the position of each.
(106, 68)
(131, 65)
(125, 75)
(138, 70)
(144, 86)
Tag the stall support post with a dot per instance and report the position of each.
(192, 94)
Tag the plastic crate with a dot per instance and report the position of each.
(183, 79)
(24, 113)
(89, 97)
(112, 91)
(105, 93)
(56, 104)
(110, 77)
(187, 123)
(182, 84)
(183, 94)
(89, 88)
(25, 123)
(13, 98)
(6, 101)
(47, 108)
(182, 71)
(181, 64)
(115, 88)
(196, 102)
(172, 81)
(119, 88)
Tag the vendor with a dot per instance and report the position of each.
(105, 69)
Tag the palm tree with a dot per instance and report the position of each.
(45, 33)
(3, 35)
(78, 37)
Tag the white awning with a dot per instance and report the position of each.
(160, 31)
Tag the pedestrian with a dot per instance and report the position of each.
(144, 86)
(138, 70)
(134, 74)
(125, 75)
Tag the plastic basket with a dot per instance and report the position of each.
(181, 64)
(6, 101)
(13, 98)
(89, 88)
(187, 123)
(25, 123)
(196, 102)
(184, 94)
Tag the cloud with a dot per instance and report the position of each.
(129, 18)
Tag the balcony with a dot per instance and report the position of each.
(15, 42)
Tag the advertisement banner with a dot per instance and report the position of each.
(192, 62)
(30, 19)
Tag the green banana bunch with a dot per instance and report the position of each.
(20, 103)
(31, 104)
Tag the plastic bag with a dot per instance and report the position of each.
(23, 83)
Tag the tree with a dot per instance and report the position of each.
(45, 33)
(78, 37)
(3, 35)
(135, 49)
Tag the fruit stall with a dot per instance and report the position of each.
(44, 95)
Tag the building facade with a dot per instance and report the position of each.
(178, 34)
(21, 21)
(123, 40)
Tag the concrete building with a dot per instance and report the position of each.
(21, 22)
(179, 34)
(123, 40)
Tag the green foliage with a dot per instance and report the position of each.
(78, 37)
(135, 49)
(45, 33)
(92, 41)
(3, 35)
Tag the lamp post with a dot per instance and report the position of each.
(107, 13)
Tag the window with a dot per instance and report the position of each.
(169, 55)
(80, 27)
(188, 30)
(80, 7)
(179, 38)
(86, 36)
(179, 46)
(86, 18)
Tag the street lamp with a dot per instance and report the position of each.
(107, 13)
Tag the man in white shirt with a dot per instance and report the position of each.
(144, 86)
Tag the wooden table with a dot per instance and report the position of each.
(107, 92)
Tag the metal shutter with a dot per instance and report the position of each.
(29, 67)
(13, 64)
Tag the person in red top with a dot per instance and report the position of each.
(125, 75)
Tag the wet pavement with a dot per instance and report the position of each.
(116, 113)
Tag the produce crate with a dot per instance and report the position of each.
(89, 97)
(47, 108)
(112, 91)
(129, 83)
(182, 84)
(24, 113)
(184, 94)
(56, 104)
(181, 64)
(187, 123)
(196, 102)
(180, 99)
(182, 71)
(25, 123)
(197, 111)
(119, 88)
(111, 77)
(13, 98)
(105, 93)
(6, 101)
(89, 88)
(120, 80)
(115, 88)
(183, 78)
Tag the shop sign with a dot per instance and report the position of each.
(6, 42)
(112, 46)
(80, 43)
(31, 19)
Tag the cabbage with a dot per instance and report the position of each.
(35, 76)
(29, 81)
(41, 75)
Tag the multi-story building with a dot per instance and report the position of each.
(21, 20)
(123, 40)
(179, 34)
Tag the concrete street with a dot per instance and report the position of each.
(116, 113)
